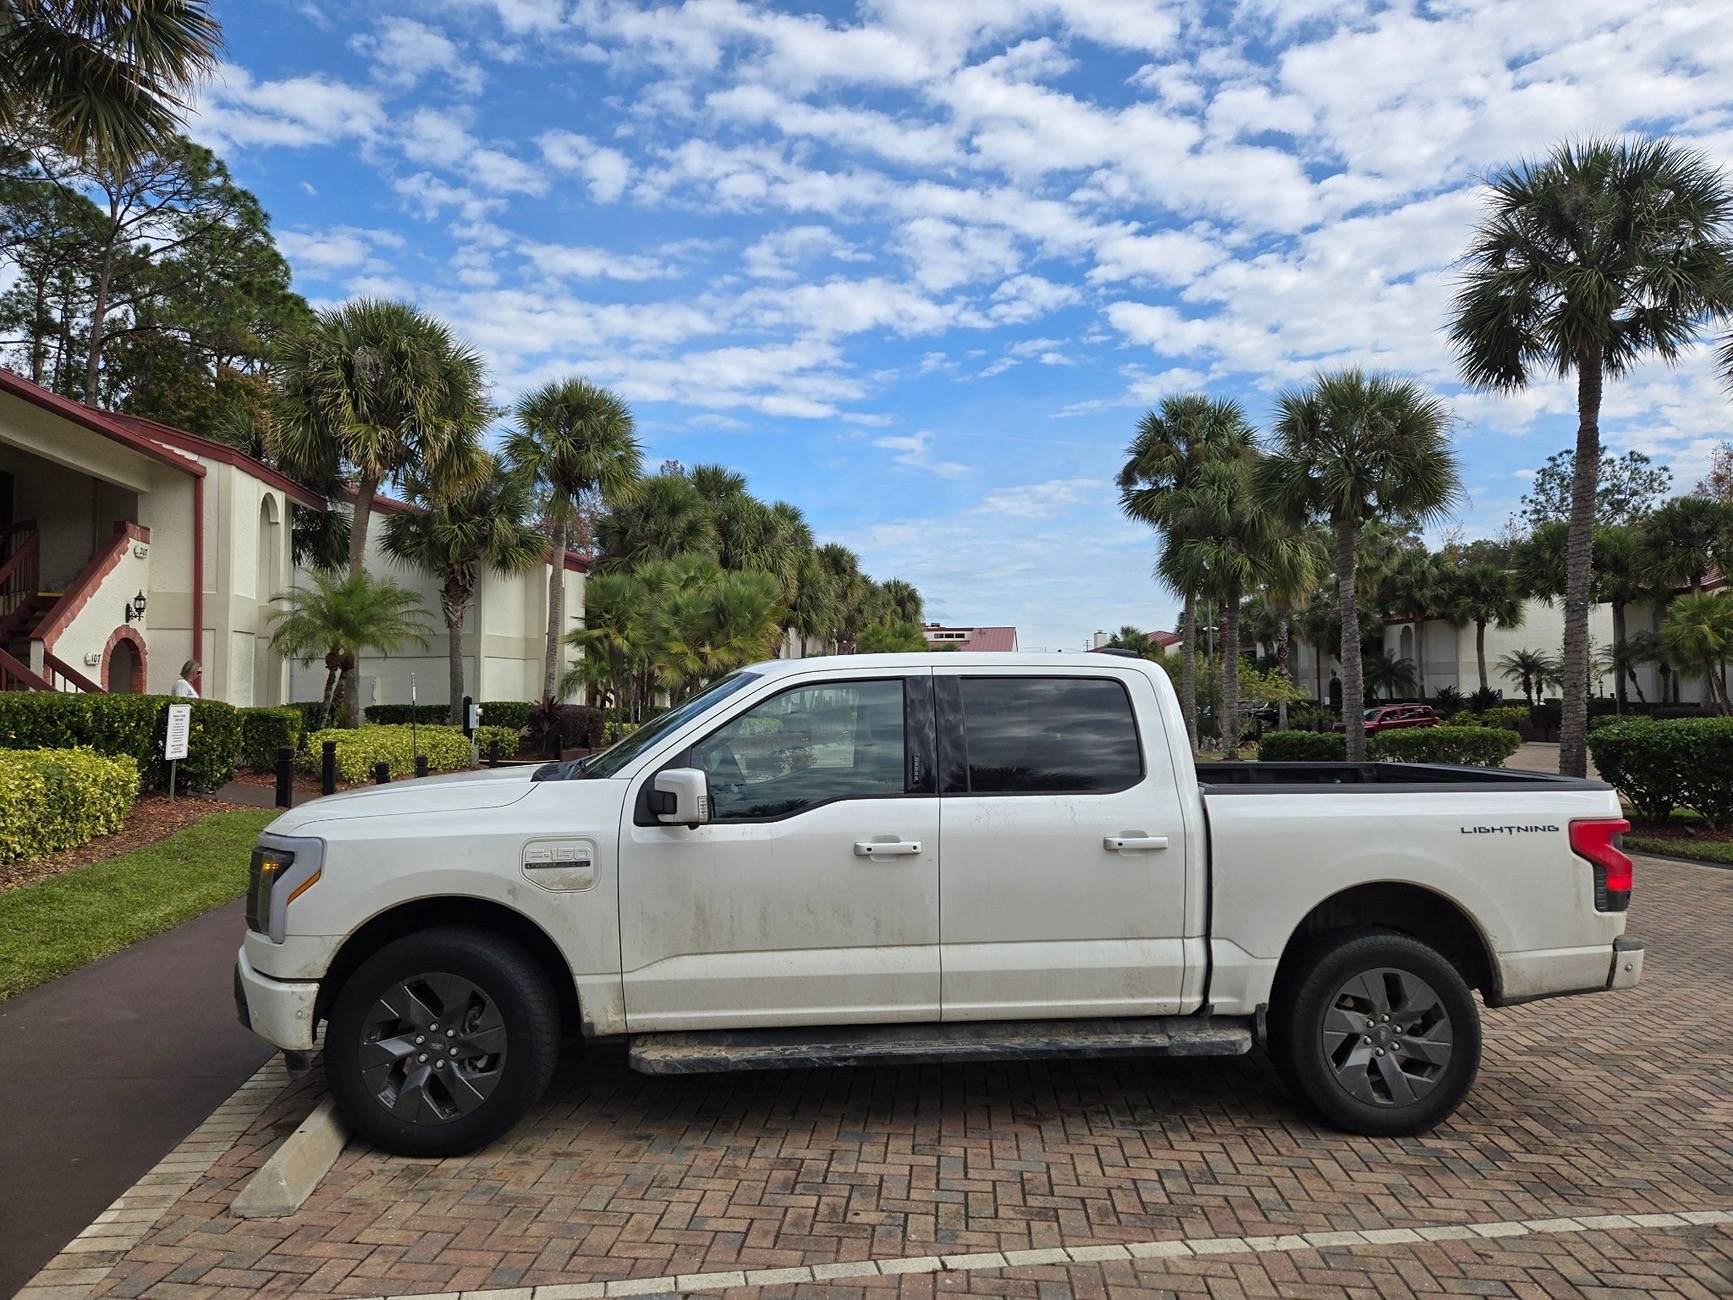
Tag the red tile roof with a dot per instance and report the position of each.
(978, 638)
(97, 421)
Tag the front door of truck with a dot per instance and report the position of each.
(1065, 849)
(812, 896)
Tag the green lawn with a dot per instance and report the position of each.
(66, 921)
(1680, 847)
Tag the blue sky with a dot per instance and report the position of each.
(917, 266)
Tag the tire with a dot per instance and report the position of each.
(1343, 1042)
(417, 1084)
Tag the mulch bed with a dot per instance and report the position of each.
(152, 818)
(306, 787)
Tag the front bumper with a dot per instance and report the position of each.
(1627, 966)
(279, 1011)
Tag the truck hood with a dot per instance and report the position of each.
(458, 792)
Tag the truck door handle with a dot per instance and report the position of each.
(886, 848)
(1133, 843)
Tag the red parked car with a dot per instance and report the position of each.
(1388, 717)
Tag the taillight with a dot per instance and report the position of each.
(1598, 841)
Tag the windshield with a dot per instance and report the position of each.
(616, 756)
(1372, 715)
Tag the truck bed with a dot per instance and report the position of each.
(1342, 778)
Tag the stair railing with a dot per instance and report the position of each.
(19, 574)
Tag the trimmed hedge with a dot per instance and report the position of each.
(494, 713)
(265, 730)
(1302, 747)
(1659, 764)
(1475, 746)
(506, 713)
(1508, 717)
(53, 799)
(360, 748)
(133, 725)
(392, 715)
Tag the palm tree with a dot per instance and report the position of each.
(1602, 253)
(1221, 531)
(338, 617)
(1388, 674)
(1681, 541)
(1293, 575)
(106, 80)
(1351, 448)
(613, 637)
(377, 389)
(850, 595)
(1489, 594)
(484, 527)
(1533, 670)
(811, 612)
(712, 622)
(1698, 636)
(904, 600)
(573, 441)
(1164, 462)
(658, 518)
(1412, 593)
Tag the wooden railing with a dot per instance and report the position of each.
(62, 676)
(19, 574)
(16, 676)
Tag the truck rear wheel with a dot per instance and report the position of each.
(1376, 1031)
(440, 1041)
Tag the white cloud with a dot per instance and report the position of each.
(778, 255)
(235, 110)
(916, 451)
(582, 262)
(340, 248)
(405, 52)
(1046, 499)
(605, 171)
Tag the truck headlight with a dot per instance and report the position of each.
(281, 870)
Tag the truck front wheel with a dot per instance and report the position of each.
(1376, 1031)
(440, 1041)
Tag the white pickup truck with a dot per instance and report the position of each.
(917, 858)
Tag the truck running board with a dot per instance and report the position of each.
(717, 1050)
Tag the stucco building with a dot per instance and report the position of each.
(128, 547)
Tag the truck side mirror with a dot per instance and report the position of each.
(684, 797)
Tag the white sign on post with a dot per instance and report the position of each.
(180, 724)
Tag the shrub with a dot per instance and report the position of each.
(1303, 747)
(1507, 717)
(1659, 764)
(391, 715)
(360, 748)
(133, 725)
(505, 713)
(1475, 746)
(577, 726)
(54, 799)
(267, 729)
(312, 715)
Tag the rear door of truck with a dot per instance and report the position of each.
(1063, 887)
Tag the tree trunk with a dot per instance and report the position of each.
(556, 611)
(452, 607)
(1480, 653)
(98, 318)
(1619, 655)
(1284, 661)
(365, 490)
(329, 697)
(1579, 560)
(1348, 610)
(1188, 668)
(1230, 727)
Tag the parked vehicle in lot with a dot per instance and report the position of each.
(1388, 717)
(753, 880)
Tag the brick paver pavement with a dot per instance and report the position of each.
(1620, 1104)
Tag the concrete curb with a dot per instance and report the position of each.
(288, 1178)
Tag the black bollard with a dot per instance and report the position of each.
(421, 765)
(328, 767)
(381, 773)
(468, 731)
(493, 752)
(285, 777)
(559, 749)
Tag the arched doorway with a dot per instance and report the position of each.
(267, 582)
(123, 663)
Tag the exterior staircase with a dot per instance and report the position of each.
(23, 607)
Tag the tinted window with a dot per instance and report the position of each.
(1049, 735)
(807, 746)
(623, 751)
